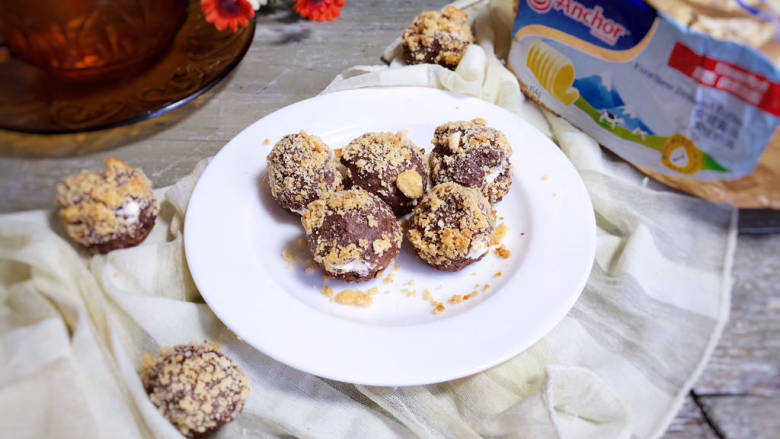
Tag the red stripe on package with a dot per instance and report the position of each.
(750, 87)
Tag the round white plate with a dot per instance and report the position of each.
(235, 235)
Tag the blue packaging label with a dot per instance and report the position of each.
(662, 97)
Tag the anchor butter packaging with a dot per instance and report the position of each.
(692, 110)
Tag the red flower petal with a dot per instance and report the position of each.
(227, 13)
(319, 10)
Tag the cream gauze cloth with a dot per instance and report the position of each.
(73, 327)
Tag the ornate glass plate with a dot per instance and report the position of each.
(198, 58)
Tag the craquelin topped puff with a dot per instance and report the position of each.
(195, 386)
(437, 38)
(452, 227)
(474, 155)
(107, 210)
(388, 165)
(352, 234)
(301, 168)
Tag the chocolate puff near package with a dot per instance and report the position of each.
(696, 112)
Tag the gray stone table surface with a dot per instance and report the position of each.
(738, 394)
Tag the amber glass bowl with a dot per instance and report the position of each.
(81, 97)
(90, 39)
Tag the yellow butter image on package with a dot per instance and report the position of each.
(554, 72)
(661, 96)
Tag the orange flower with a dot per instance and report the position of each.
(227, 13)
(319, 10)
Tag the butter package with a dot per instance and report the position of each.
(670, 100)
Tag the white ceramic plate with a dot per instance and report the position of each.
(235, 234)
